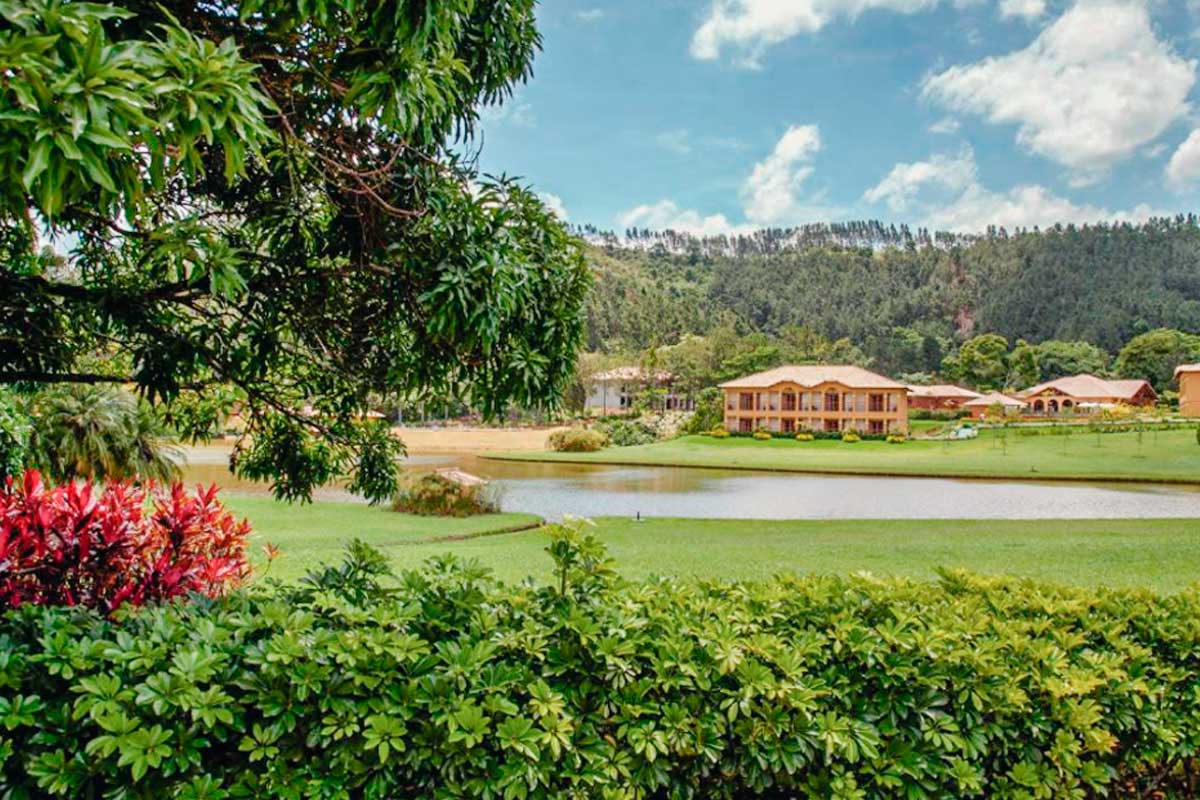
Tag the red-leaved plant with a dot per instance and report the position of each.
(76, 545)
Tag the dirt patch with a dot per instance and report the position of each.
(473, 440)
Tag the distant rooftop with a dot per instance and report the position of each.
(1182, 368)
(942, 390)
(1089, 386)
(814, 375)
(632, 374)
(996, 398)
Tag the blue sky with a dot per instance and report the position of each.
(717, 116)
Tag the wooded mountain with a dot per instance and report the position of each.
(864, 280)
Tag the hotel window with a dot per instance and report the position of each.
(746, 401)
(789, 401)
(832, 401)
(875, 426)
(773, 401)
(745, 425)
(876, 403)
(893, 401)
(789, 425)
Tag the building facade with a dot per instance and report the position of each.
(1085, 394)
(1188, 376)
(984, 405)
(615, 391)
(816, 398)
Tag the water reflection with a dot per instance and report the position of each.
(551, 489)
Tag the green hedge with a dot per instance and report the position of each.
(450, 685)
(822, 436)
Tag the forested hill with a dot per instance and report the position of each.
(767, 241)
(1102, 284)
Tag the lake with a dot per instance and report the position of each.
(552, 489)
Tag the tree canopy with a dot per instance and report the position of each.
(265, 205)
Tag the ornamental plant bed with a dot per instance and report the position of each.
(446, 683)
(77, 544)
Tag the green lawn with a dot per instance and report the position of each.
(1160, 554)
(1165, 456)
(315, 534)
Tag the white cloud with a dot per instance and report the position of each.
(944, 193)
(770, 195)
(555, 204)
(1183, 170)
(1028, 10)
(514, 111)
(953, 173)
(1093, 87)
(677, 141)
(1024, 207)
(947, 125)
(590, 15)
(666, 215)
(772, 192)
(749, 27)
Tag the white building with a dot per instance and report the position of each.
(615, 391)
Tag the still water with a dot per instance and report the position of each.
(551, 489)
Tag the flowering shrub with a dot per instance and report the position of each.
(762, 436)
(804, 436)
(75, 545)
(851, 436)
(896, 438)
(576, 440)
(447, 684)
(627, 432)
(436, 495)
(719, 432)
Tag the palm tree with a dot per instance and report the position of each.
(100, 432)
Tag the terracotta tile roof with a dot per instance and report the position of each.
(1182, 368)
(814, 375)
(992, 398)
(942, 390)
(632, 374)
(1090, 387)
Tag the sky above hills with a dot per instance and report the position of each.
(716, 116)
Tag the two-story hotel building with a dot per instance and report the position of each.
(816, 398)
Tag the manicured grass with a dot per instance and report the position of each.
(1162, 553)
(1158, 554)
(1164, 456)
(315, 534)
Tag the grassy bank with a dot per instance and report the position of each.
(1161, 554)
(1165, 456)
(315, 534)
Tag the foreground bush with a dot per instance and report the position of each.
(76, 545)
(576, 440)
(449, 685)
(432, 494)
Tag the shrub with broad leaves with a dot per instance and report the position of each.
(79, 545)
(445, 683)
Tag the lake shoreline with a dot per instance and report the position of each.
(1034, 477)
(1166, 458)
